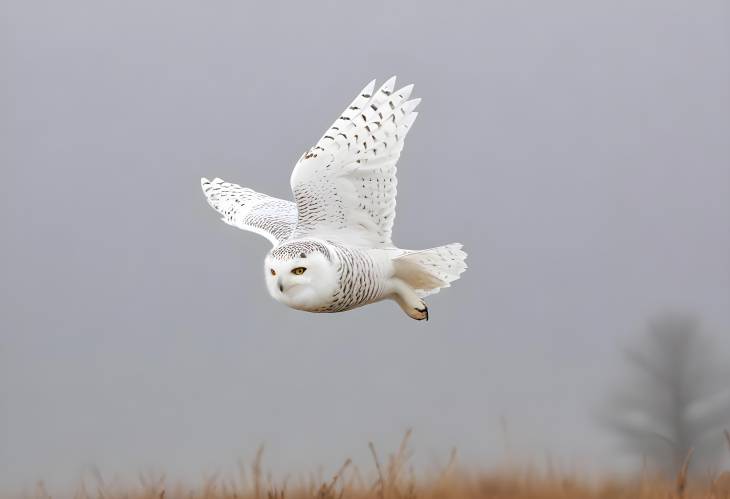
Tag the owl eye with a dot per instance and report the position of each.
(299, 270)
(273, 272)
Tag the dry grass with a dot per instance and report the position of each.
(396, 481)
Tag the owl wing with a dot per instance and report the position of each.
(345, 186)
(247, 209)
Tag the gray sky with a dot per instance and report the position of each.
(579, 150)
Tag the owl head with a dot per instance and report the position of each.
(301, 275)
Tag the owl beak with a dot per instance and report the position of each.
(281, 286)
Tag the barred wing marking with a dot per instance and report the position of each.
(345, 186)
(249, 210)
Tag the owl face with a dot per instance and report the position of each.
(305, 282)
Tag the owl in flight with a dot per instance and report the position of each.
(332, 245)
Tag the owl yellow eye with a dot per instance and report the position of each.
(273, 272)
(298, 270)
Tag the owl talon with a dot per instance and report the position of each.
(422, 313)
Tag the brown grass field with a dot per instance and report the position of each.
(396, 480)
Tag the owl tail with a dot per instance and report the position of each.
(427, 271)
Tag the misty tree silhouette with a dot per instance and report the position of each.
(676, 397)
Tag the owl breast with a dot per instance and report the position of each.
(362, 276)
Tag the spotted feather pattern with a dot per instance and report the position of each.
(250, 210)
(345, 186)
(300, 249)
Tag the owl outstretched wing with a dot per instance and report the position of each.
(247, 209)
(345, 186)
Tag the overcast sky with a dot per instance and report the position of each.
(579, 150)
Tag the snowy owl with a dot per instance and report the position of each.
(332, 246)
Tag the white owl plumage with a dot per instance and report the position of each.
(332, 246)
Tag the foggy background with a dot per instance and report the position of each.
(579, 150)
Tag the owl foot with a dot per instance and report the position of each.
(408, 300)
(420, 313)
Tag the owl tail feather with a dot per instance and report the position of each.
(427, 271)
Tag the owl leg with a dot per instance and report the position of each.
(408, 300)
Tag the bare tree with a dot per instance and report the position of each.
(676, 397)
